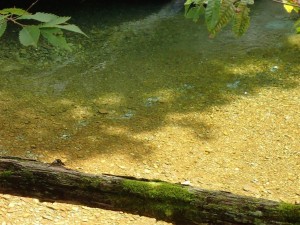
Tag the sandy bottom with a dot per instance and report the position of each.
(220, 120)
(248, 146)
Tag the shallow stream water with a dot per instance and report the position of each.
(149, 83)
(150, 95)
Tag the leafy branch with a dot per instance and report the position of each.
(46, 25)
(219, 13)
(292, 6)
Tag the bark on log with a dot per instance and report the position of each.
(174, 203)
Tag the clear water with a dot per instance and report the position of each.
(138, 56)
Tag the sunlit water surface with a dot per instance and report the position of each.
(141, 63)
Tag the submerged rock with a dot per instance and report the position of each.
(233, 85)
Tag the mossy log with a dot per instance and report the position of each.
(174, 203)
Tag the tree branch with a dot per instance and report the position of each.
(174, 203)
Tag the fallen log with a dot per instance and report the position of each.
(176, 203)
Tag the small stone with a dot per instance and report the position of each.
(6, 197)
(162, 101)
(75, 208)
(208, 151)
(47, 217)
(11, 205)
(186, 182)
(103, 111)
(131, 218)
(122, 167)
(274, 69)
(251, 189)
(147, 171)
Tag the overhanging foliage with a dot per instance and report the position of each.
(219, 13)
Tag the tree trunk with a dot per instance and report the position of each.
(174, 203)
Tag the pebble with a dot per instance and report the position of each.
(75, 208)
(186, 182)
(122, 167)
(103, 111)
(131, 218)
(208, 151)
(47, 217)
(274, 69)
(147, 171)
(7, 197)
(52, 207)
(11, 205)
(25, 215)
(251, 189)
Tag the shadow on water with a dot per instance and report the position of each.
(139, 69)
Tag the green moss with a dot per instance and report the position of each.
(164, 196)
(28, 175)
(96, 183)
(158, 190)
(6, 174)
(259, 222)
(290, 212)
(90, 182)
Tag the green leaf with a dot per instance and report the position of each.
(56, 21)
(212, 13)
(194, 8)
(226, 16)
(3, 25)
(39, 16)
(247, 2)
(53, 21)
(194, 12)
(55, 37)
(189, 2)
(297, 26)
(29, 35)
(3, 17)
(188, 5)
(49, 20)
(288, 8)
(71, 27)
(297, 23)
(14, 11)
(241, 20)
